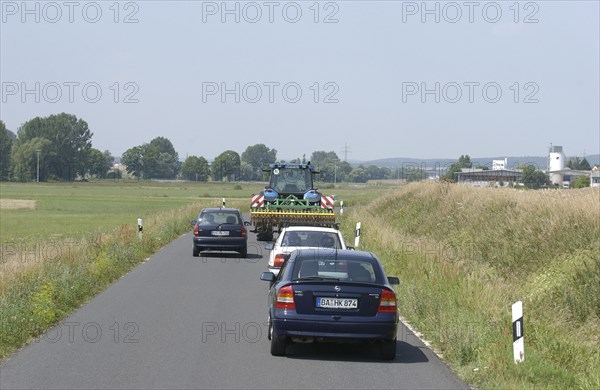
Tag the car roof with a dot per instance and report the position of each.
(346, 254)
(216, 209)
(309, 229)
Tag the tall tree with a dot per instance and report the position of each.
(5, 150)
(226, 166)
(70, 140)
(195, 168)
(155, 160)
(256, 156)
(99, 163)
(319, 157)
(132, 159)
(359, 175)
(533, 178)
(330, 167)
(25, 160)
(579, 164)
(464, 161)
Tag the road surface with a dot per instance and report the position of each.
(179, 322)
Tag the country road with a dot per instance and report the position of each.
(182, 322)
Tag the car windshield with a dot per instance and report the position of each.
(323, 268)
(291, 180)
(219, 218)
(311, 238)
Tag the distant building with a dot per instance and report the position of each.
(595, 177)
(556, 164)
(564, 177)
(489, 178)
(499, 165)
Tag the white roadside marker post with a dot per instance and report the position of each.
(223, 203)
(517, 325)
(140, 227)
(341, 207)
(357, 236)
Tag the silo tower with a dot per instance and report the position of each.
(556, 162)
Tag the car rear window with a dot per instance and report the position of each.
(312, 239)
(219, 218)
(354, 270)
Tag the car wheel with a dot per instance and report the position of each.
(196, 251)
(244, 252)
(278, 345)
(270, 331)
(388, 349)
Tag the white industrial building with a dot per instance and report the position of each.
(562, 176)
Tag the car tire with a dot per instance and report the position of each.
(270, 331)
(388, 349)
(196, 252)
(244, 252)
(278, 345)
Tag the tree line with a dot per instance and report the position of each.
(59, 147)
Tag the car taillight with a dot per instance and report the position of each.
(278, 261)
(196, 230)
(285, 298)
(387, 303)
(243, 231)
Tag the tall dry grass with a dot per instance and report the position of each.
(464, 255)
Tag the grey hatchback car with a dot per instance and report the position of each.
(220, 229)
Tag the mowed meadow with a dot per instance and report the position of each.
(463, 255)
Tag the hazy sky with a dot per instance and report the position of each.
(387, 78)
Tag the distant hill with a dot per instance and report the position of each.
(513, 162)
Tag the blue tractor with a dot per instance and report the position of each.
(289, 198)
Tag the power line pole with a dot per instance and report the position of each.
(345, 150)
(38, 165)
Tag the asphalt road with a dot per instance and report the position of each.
(181, 322)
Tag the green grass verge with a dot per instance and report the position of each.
(43, 281)
(36, 297)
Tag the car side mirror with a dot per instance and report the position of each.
(194, 222)
(269, 246)
(393, 280)
(267, 277)
(246, 223)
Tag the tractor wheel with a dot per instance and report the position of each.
(264, 235)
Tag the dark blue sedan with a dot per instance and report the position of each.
(220, 229)
(332, 295)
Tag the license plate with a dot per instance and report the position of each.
(337, 303)
(220, 233)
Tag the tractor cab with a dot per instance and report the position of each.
(291, 179)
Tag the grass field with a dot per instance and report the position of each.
(72, 210)
(463, 255)
(80, 208)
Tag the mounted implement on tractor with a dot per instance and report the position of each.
(290, 198)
